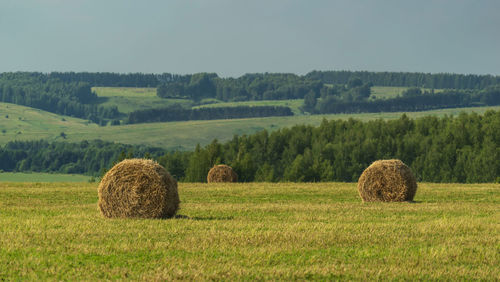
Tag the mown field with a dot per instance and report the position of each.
(24, 123)
(253, 231)
(41, 177)
(129, 99)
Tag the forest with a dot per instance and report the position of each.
(44, 92)
(108, 79)
(88, 157)
(280, 86)
(70, 93)
(408, 79)
(249, 87)
(447, 149)
(177, 113)
(355, 99)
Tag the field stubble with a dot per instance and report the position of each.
(253, 231)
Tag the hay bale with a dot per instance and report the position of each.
(222, 173)
(387, 181)
(138, 188)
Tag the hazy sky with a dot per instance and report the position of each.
(233, 37)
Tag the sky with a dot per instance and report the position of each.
(234, 37)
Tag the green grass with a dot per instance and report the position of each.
(256, 231)
(26, 123)
(129, 92)
(129, 99)
(42, 177)
(293, 104)
(387, 92)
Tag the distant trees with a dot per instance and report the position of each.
(353, 98)
(177, 113)
(248, 87)
(109, 79)
(200, 85)
(460, 149)
(70, 93)
(51, 94)
(310, 102)
(407, 79)
(89, 157)
(447, 149)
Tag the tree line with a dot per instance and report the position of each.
(86, 157)
(261, 81)
(413, 99)
(408, 79)
(447, 149)
(177, 113)
(70, 93)
(265, 86)
(43, 92)
(110, 79)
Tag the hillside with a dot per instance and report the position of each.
(25, 123)
(97, 98)
(129, 99)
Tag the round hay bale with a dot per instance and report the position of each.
(387, 181)
(138, 188)
(222, 173)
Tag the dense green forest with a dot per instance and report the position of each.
(267, 86)
(449, 149)
(408, 79)
(177, 113)
(280, 86)
(341, 99)
(88, 157)
(70, 93)
(109, 79)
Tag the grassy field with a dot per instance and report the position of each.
(255, 231)
(25, 123)
(129, 99)
(387, 92)
(41, 177)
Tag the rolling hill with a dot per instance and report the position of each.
(24, 123)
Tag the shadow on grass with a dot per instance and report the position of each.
(406, 202)
(181, 216)
(414, 202)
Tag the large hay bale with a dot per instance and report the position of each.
(138, 188)
(222, 173)
(387, 181)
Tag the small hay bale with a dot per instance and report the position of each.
(138, 188)
(222, 173)
(387, 181)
